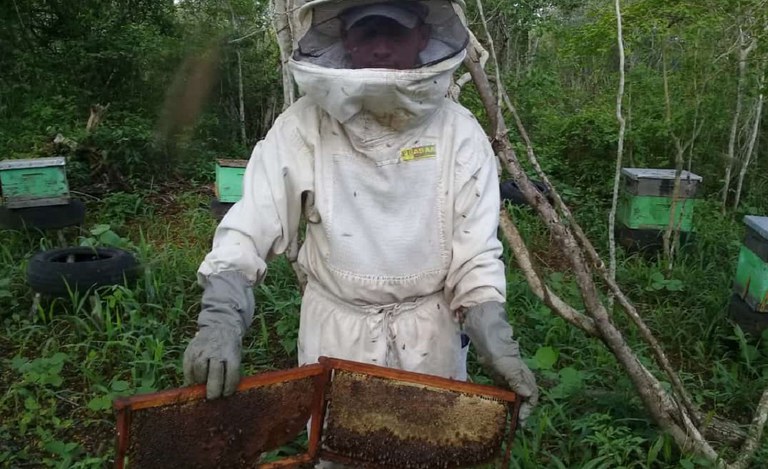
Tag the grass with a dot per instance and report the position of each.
(61, 365)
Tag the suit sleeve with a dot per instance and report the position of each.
(476, 273)
(265, 221)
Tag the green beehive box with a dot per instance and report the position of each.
(229, 179)
(34, 182)
(751, 282)
(646, 199)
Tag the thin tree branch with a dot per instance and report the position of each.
(539, 288)
(646, 385)
(620, 148)
(283, 30)
(18, 15)
(754, 436)
(483, 55)
(492, 51)
(250, 33)
(594, 258)
(752, 145)
(743, 55)
(240, 87)
(655, 398)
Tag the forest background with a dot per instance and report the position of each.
(143, 96)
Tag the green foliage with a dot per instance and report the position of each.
(616, 444)
(590, 416)
(43, 371)
(5, 284)
(561, 67)
(117, 388)
(102, 235)
(119, 207)
(63, 364)
(658, 282)
(134, 57)
(278, 323)
(68, 362)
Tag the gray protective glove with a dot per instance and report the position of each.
(487, 327)
(213, 355)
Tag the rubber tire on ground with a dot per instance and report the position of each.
(49, 217)
(510, 191)
(219, 208)
(49, 273)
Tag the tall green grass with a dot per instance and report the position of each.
(63, 363)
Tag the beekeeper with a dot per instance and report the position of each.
(399, 188)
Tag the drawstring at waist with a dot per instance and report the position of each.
(380, 318)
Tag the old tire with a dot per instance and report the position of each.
(49, 272)
(44, 218)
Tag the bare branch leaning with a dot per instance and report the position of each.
(673, 411)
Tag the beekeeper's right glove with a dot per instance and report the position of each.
(213, 355)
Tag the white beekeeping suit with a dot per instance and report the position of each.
(399, 188)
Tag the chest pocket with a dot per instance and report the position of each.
(385, 218)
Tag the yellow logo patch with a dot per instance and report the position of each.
(418, 153)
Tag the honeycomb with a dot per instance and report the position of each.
(395, 424)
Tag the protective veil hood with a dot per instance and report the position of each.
(376, 102)
(392, 98)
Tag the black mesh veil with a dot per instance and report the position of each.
(321, 45)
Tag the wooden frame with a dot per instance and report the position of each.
(321, 373)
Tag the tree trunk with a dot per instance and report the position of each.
(744, 52)
(663, 408)
(96, 117)
(679, 152)
(675, 418)
(284, 32)
(752, 146)
(672, 232)
(241, 99)
(674, 412)
(620, 149)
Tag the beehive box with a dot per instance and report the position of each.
(751, 283)
(229, 179)
(34, 182)
(646, 199)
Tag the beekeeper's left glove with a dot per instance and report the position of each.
(487, 327)
(213, 355)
